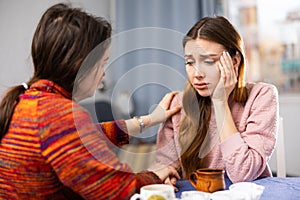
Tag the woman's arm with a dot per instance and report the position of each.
(248, 151)
(82, 160)
(227, 82)
(115, 131)
(118, 131)
(160, 114)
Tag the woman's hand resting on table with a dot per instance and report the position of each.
(167, 174)
(171, 181)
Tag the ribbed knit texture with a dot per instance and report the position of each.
(52, 145)
(243, 155)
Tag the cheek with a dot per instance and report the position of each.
(213, 72)
(190, 73)
(100, 71)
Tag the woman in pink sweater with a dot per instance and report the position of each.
(225, 122)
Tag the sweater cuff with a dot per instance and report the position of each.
(145, 178)
(229, 146)
(122, 136)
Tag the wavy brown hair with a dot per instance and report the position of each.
(195, 124)
(63, 39)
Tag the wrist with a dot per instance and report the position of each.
(218, 102)
(147, 120)
(154, 119)
(142, 122)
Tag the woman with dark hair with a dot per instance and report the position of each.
(49, 146)
(225, 122)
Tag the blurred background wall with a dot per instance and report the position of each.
(146, 58)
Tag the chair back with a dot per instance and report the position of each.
(277, 161)
(280, 151)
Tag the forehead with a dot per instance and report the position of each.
(202, 46)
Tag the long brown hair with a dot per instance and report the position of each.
(195, 124)
(63, 39)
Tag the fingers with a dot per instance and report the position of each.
(172, 111)
(167, 181)
(228, 78)
(173, 172)
(164, 172)
(162, 111)
(228, 73)
(166, 103)
(225, 70)
(167, 99)
(222, 73)
(171, 181)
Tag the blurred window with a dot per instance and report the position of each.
(271, 32)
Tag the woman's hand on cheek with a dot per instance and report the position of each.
(228, 78)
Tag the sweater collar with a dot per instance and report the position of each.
(49, 86)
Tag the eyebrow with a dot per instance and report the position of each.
(188, 56)
(210, 55)
(205, 55)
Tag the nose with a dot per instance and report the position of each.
(198, 72)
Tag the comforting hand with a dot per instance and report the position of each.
(167, 174)
(162, 112)
(171, 181)
(228, 78)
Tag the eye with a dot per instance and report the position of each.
(209, 62)
(189, 62)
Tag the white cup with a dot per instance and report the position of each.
(195, 195)
(229, 195)
(253, 190)
(155, 192)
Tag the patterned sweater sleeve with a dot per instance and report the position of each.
(115, 131)
(81, 159)
(248, 152)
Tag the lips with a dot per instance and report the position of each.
(200, 85)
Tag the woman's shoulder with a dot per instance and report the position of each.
(177, 99)
(262, 93)
(261, 87)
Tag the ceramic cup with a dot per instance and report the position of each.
(229, 195)
(253, 191)
(195, 195)
(208, 180)
(155, 192)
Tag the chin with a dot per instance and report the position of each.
(204, 93)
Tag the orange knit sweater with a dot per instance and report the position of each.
(52, 146)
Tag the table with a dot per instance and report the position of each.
(275, 188)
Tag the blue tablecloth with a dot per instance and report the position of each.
(275, 188)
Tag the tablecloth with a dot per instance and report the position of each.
(275, 188)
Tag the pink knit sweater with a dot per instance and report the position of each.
(244, 155)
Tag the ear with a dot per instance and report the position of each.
(236, 60)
